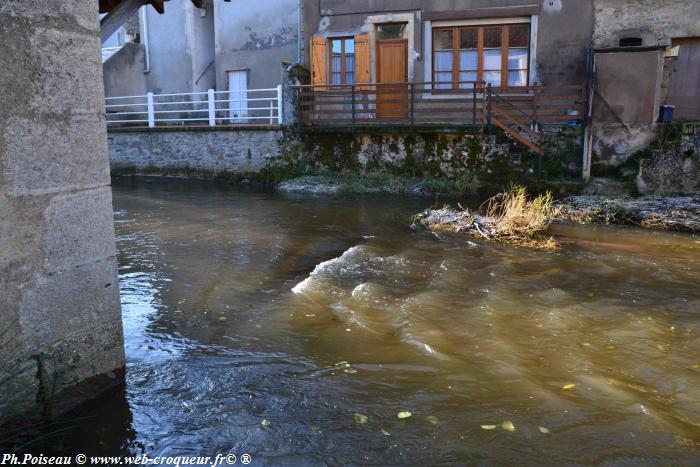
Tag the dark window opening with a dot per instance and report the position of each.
(631, 42)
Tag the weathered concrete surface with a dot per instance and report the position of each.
(60, 317)
(238, 150)
(256, 37)
(651, 20)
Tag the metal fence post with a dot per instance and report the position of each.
(280, 105)
(151, 110)
(212, 107)
(489, 96)
(412, 104)
(473, 107)
(352, 105)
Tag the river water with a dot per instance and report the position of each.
(296, 328)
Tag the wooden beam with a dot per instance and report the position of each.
(119, 15)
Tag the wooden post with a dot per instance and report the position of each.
(412, 98)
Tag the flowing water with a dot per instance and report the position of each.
(296, 328)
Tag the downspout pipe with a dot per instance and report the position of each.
(144, 39)
(298, 61)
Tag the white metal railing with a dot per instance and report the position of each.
(251, 106)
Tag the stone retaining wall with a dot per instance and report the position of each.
(239, 150)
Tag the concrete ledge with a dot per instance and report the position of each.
(167, 129)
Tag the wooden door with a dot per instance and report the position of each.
(684, 88)
(392, 67)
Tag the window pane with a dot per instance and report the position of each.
(492, 59)
(493, 77)
(443, 80)
(391, 31)
(350, 69)
(467, 76)
(468, 39)
(336, 45)
(468, 60)
(519, 36)
(443, 61)
(443, 39)
(517, 59)
(517, 78)
(335, 78)
(492, 38)
(349, 46)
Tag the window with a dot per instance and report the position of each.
(496, 54)
(631, 42)
(342, 70)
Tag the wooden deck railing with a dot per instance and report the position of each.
(472, 104)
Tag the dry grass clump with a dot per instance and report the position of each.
(514, 215)
(511, 217)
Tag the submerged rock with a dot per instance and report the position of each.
(678, 213)
(310, 184)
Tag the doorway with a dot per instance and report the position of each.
(392, 67)
(684, 88)
(238, 95)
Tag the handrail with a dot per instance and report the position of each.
(232, 107)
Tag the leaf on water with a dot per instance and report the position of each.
(662, 347)
(404, 414)
(341, 363)
(265, 422)
(545, 430)
(350, 370)
(508, 426)
(489, 427)
(311, 315)
(432, 419)
(360, 418)
(222, 318)
(569, 386)
(385, 433)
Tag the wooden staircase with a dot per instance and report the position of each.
(519, 128)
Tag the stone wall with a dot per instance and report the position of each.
(239, 150)
(674, 170)
(60, 319)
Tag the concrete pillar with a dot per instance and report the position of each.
(60, 321)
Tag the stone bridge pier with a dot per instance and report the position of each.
(61, 339)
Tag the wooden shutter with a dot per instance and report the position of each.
(319, 59)
(362, 62)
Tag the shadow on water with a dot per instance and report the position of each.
(244, 306)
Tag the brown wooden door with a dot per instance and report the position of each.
(684, 88)
(392, 67)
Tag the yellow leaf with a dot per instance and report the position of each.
(432, 419)
(385, 433)
(508, 426)
(569, 386)
(222, 318)
(360, 418)
(489, 427)
(404, 414)
(350, 370)
(265, 422)
(544, 430)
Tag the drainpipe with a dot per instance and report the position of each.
(298, 62)
(144, 39)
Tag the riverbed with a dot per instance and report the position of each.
(296, 328)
